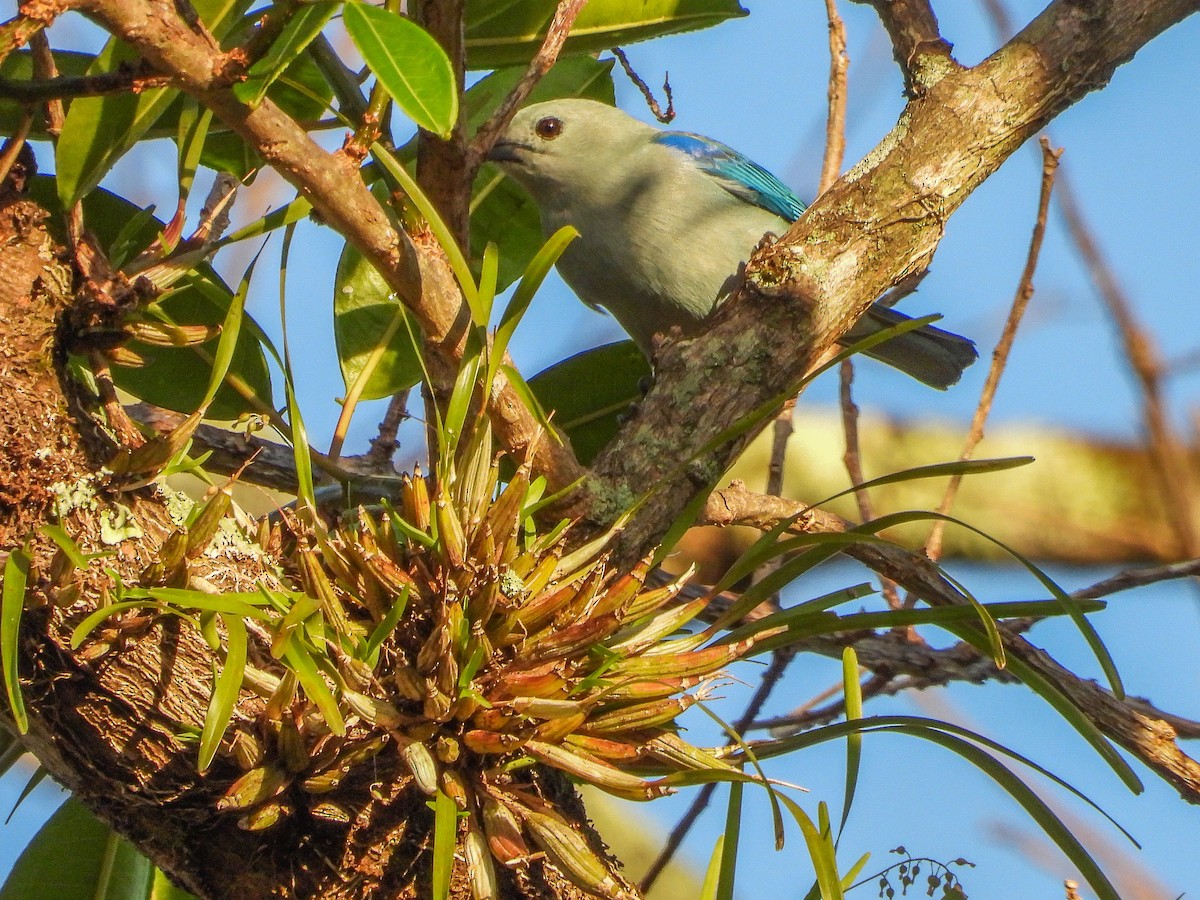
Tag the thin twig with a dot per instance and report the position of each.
(835, 122)
(384, 444)
(547, 55)
(1171, 463)
(17, 31)
(933, 546)
(12, 147)
(63, 87)
(665, 117)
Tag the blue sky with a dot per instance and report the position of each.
(758, 84)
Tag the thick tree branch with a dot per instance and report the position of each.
(879, 224)
(917, 43)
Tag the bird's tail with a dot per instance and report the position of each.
(930, 355)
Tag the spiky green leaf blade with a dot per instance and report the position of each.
(509, 32)
(730, 838)
(445, 826)
(852, 692)
(300, 661)
(412, 66)
(225, 690)
(12, 604)
(712, 875)
(301, 29)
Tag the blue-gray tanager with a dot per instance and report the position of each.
(666, 220)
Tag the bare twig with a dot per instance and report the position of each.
(122, 81)
(933, 546)
(547, 55)
(12, 146)
(1175, 475)
(918, 46)
(384, 444)
(651, 101)
(835, 123)
(17, 31)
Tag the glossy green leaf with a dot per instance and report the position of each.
(103, 865)
(304, 25)
(509, 32)
(712, 875)
(12, 605)
(98, 131)
(590, 391)
(364, 310)
(412, 66)
(225, 690)
(231, 328)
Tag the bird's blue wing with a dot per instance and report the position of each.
(737, 174)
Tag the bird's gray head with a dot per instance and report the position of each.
(561, 146)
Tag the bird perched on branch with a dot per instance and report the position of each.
(666, 220)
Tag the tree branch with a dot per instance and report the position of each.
(413, 265)
(879, 224)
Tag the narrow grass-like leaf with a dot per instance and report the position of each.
(712, 875)
(489, 275)
(300, 661)
(729, 842)
(916, 726)
(302, 27)
(820, 851)
(385, 627)
(445, 827)
(12, 604)
(193, 131)
(852, 692)
(39, 775)
(521, 388)
(1070, 604)
(225, 690)
(88, 625)
(305, 490)
(412, 66)
(534, 275)
(962, 467)
(230, 329)
(67, 544)
(454, 254)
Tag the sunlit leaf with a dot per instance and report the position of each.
(12, 604)
(225, 690)
(445, 822)
(509, 32)
(302, 27)
(412, 66)
(98, 131)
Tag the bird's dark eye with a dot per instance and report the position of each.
(548, 128)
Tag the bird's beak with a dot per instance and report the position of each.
(505, 151)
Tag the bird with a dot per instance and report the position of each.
(666, 222)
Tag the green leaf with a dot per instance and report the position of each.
(303, 26)
(364, 309)
(509, 32)
(99, 130)
(852, 691)
(12, 604)
(18, 66)
(84, 860)
(231, 328)
(531, 281)
(412, 66)
(729, 842)
(300, 661)
(225, 690)
(712, 875)
(590, 391)
(445, 826)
